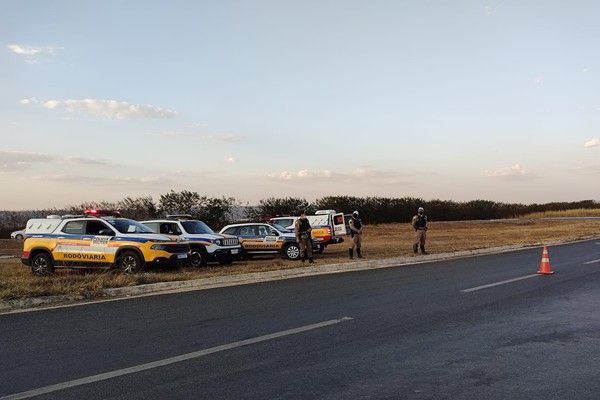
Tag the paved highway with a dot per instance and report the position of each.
(475, 328)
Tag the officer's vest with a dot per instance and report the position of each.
(303, 226)
(357, 223)
(421, 221)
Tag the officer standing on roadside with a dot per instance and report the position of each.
(302, 228)
(356, 233)
(419, 222)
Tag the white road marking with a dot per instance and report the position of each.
(498, 283)
(168, 361)
(592, 262)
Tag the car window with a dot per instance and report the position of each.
(285, 221)
(94, 228)
(246, 230)
(196, 227)
(151, 225)
(124, 225)
(263, 231)
(230, 231)
(74, 227)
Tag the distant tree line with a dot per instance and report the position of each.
(217, 212)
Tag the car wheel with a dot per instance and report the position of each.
(19, 237)
(41, 264)
(292, 251)
(130, 263)
(318, 249)
(198, 258)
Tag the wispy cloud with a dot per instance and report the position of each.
(231, 160)
(19, 160)
(592, 143)
(588, 169)
(227, 138)
(490, 10)
(75, 160)
(512, 173)
(31, 53)
(99, 180)
(111, 109)
(359, 174)
(172, 134)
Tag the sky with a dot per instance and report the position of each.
(434, 99)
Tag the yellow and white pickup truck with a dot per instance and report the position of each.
(97, 239)
(328, 227)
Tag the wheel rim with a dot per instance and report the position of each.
(293, 252)
(40, 266)
(196, 259)
(129, 264)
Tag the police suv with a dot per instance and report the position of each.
(97, 239)
(206, 245)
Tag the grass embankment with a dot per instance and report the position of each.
(379, 242)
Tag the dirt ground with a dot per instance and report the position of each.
(379, 242)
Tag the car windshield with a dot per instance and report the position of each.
(129, 226)
(281, 228)
(194, 227)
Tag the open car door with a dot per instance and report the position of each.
(339, 225)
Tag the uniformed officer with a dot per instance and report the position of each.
(356, 233)
(419, 222)
(303, 229)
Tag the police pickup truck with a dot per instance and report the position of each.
(328, 227)
(97, 239)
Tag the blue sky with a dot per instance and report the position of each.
(452, 100)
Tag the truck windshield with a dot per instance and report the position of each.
(194, 227)
(129, 226)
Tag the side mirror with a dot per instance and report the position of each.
(105, 232)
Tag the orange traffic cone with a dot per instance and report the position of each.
(545, 264)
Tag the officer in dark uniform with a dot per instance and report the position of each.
(302, 230)
(356, 233)
(419, 222)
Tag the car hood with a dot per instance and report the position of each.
(205, 236)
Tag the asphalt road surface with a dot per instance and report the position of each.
(475, 328)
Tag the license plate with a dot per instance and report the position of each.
(182, 255)
(234, 251)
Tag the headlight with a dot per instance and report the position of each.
(218, 242)
(158, 247)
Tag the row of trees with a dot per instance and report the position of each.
(217, 212)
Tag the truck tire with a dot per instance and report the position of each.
(130, 262)
(318, 249)
(292, 251)
(41, 264)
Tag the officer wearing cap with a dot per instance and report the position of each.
(356, 233)
(419, 222)
(303, 229)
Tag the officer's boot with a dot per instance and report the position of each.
(423, 249)
(302, 259)
(415, 249)
(358, 252)
(310, 260)
(351, 253)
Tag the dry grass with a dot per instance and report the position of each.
(379, 241)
